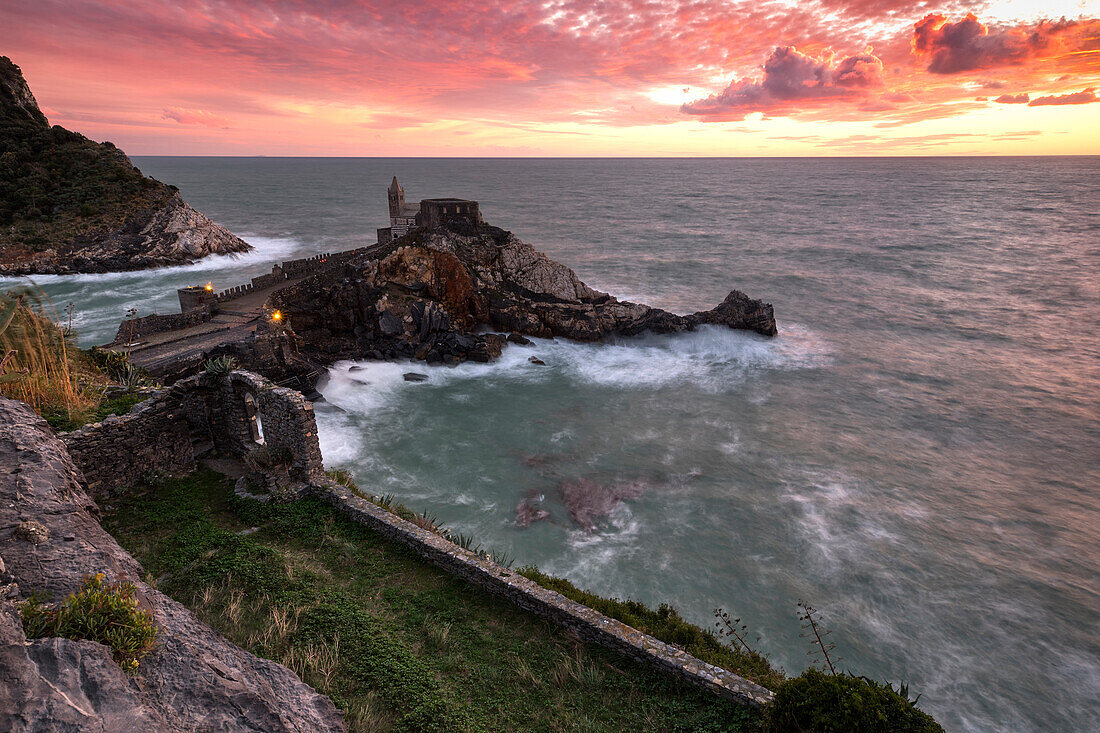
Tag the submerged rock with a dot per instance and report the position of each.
(589, 502)
(415, 377)
(527, 514)
(536, 360)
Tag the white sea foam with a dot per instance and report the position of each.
(712, 358)
(267, 249)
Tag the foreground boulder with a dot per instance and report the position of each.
(431, 295)
(68, 204)
(193, 679)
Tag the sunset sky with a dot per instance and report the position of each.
(565, 78)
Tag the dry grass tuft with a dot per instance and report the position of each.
(45, 369)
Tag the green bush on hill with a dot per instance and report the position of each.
(824, 703)
(56, 184)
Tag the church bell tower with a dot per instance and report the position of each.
(396, 196)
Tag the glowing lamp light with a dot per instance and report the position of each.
(277, 316)
(209, 287)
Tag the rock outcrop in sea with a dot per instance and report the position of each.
(193, 679)
(68, 204)
(433, 294)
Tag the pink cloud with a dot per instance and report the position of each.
(1012, 99)
(790, 79)
(1086, 96)
(194, 117)
(282, 69)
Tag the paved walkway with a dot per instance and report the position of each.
(235, 322)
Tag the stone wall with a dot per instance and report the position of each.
(589, 624)
(146, 326)
(235, 414)
(195, 415)
(120, 451)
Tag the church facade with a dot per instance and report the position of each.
(428, 214)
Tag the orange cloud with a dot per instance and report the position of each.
(968, 45)
(310, 76)
(1086, 96)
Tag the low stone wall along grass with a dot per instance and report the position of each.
(397, 642)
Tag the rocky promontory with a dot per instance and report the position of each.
(192, 680)
(433, 294)
(69, 204)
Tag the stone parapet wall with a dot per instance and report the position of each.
(216, 412)
(144, 327)
(589, 624)
(203, 412)
(139, 328)
(122, 450)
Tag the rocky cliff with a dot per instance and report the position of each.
(431, 295)
(193, 680)
(68, 204)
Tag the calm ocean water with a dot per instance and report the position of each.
(917, 453)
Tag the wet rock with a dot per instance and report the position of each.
(536, 360)
(415, 377)
(589, 502)
(527, 513)
(389, 324)
(434, 299)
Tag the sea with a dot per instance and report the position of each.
(916, 454)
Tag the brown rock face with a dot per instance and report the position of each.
(193, 680)
(170, 234)
(429, 294)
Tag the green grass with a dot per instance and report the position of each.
(121, 405)
(396, 642)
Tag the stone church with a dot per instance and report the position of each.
(429, 213)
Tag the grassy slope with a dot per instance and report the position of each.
(398, 643)
(56, 185)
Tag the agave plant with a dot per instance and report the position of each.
(220, 365)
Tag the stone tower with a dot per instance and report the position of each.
(396, 196)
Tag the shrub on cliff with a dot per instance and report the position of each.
(843, 703)
(99, 611)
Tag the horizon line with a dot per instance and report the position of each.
(615, 157)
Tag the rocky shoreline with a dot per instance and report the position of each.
(194, 679)
(72, 205)
(445, 296)
(172, 234)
